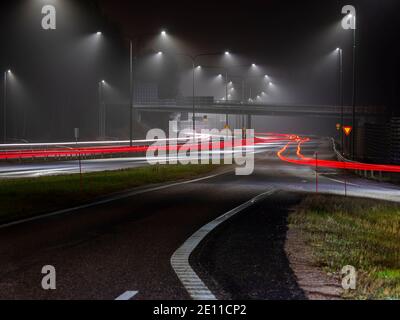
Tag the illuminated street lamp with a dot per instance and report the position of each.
(6, 76)
(194, 58)
(102, 111)
(341, 95)
(352, 18)
(135, 39)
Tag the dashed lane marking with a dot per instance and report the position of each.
(127, 296)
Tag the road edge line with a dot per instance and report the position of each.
(108, 200)
(180, 259)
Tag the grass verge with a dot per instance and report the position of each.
(358, 232)
(22, 198)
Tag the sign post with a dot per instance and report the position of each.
(316, 172)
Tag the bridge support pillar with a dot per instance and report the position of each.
(249, 122)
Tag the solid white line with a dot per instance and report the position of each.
(180, 259)
(127, 296)
(343, 182)
(108, 200)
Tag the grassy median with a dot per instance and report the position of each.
(358, 232)
(22, 198)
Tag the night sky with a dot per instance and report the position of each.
(288, 36)
(292, 39)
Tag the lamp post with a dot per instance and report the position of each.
(102, 111)
(228, 77)
(193, 59)
(341, 96)
(354, 86)
(6, 74)
(131, 93)
(132, 59)
(349, 22)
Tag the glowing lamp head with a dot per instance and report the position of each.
(253, 65)
(99, 33)
(227, 53)
(9, 71)
(163, 33)
(160, 53)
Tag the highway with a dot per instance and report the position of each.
(124, 248)
(32, 170)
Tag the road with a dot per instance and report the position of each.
(32, 170)
(105, 251)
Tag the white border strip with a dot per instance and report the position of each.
(180, 259)
(108, 200)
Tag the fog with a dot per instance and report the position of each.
(55, 83)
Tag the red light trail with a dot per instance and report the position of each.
(311, 162)
(268, 139)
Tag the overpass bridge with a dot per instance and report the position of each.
(256, 109)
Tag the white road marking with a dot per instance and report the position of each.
(108, 200)
(343, 182)
(127, 296)
(180, 259)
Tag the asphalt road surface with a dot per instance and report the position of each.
(106, 250)
(32, 170)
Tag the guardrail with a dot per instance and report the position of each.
(362, 173)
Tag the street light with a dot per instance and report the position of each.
(194, 58)
(5, 106)
(135, 39)
(6, 75)
(352, 15)
(341, 95)
(102, 110)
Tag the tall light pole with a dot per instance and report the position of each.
(132, 59)
(6, 74)
(354, 85)
(341, 96)
(131, 92)
(193, 59)
(349, 22)
(102, 111)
